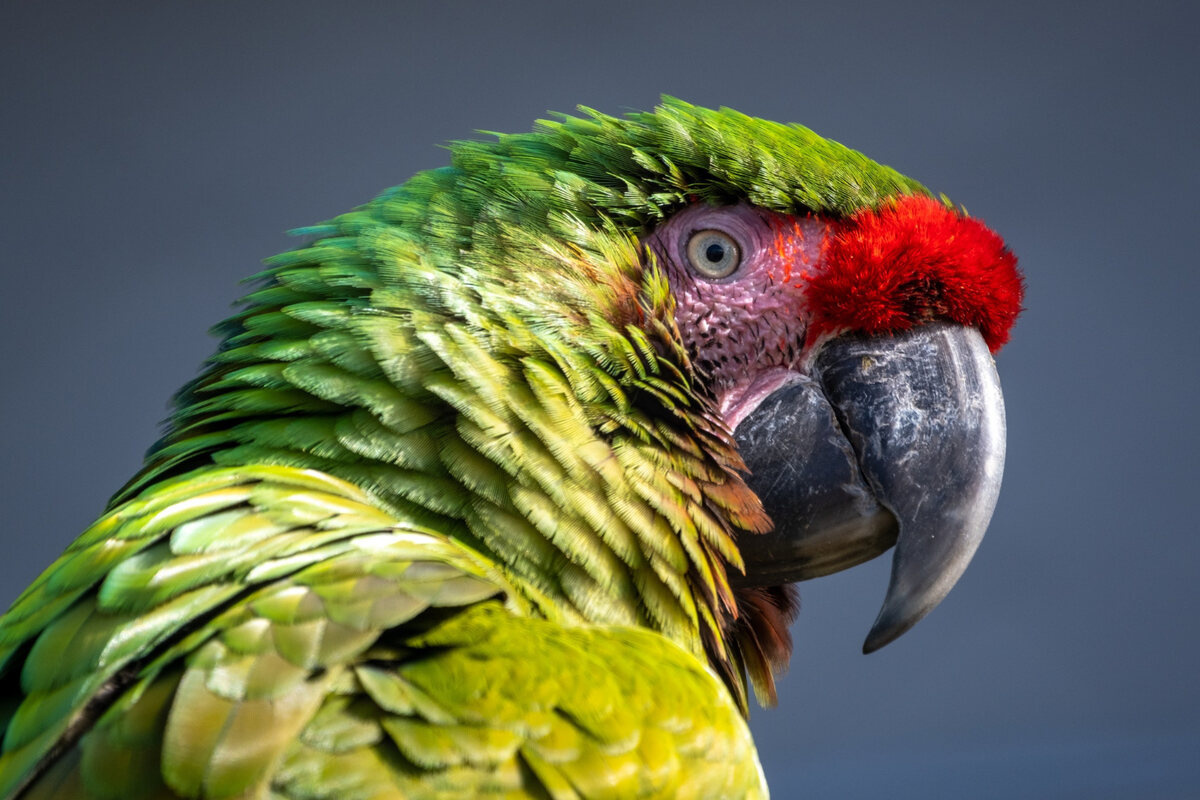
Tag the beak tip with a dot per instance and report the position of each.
(873, 643)
(913, 592)
(887, 629)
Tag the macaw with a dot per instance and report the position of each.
(497, 487)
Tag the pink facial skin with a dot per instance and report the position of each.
(745, 331)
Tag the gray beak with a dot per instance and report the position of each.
(893, 440)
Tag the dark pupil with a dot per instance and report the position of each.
(714, 253)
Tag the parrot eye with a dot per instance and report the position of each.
(713, 254)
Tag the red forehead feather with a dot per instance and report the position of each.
(910, 261)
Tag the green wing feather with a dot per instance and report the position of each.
(269, 630)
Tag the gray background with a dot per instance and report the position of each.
(152, 154)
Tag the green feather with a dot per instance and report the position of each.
(449, 513)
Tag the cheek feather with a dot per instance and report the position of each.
(788, 249)
(911, 261)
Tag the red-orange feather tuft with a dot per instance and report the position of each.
(912, 260)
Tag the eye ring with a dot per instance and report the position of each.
(713, 253)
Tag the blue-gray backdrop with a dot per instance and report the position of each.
(153, 153)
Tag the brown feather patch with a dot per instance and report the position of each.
(763, 636)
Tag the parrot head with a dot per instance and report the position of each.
(852, 359)
(657, 367)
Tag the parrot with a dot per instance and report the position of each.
(499, 485)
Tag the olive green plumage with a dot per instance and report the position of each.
(450, 513)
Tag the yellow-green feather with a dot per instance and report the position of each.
(354, 657)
